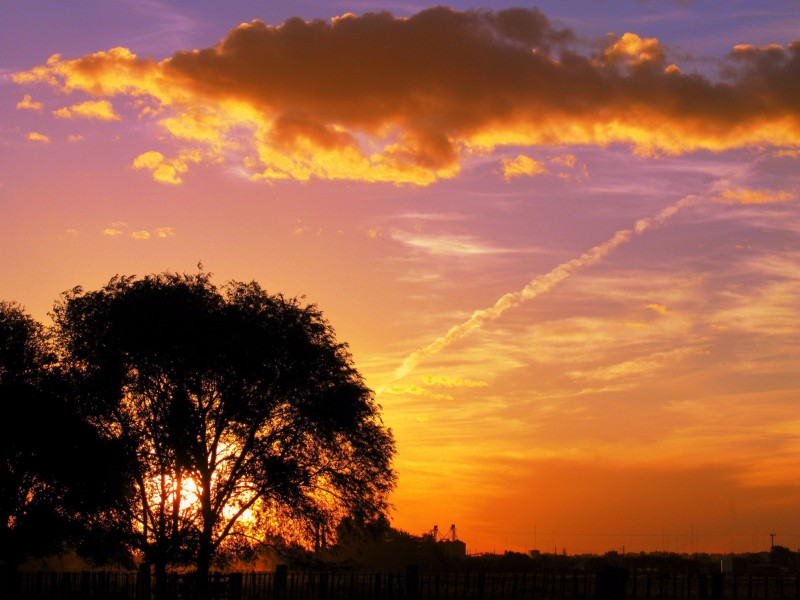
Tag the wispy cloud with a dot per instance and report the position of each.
(120, 228)
(452, 382)
(167, 26)
(639, 367)
(164, 232)
(771, 309)
(658, 308)
(744, 195)
(101, 110)
(520, 166)
(535, 287)
(445, 245)
(35, 136)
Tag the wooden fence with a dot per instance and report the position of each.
(413, 585)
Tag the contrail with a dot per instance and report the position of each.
(536, 286)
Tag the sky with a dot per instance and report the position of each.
(562, 241)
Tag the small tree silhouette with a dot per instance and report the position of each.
(51, 463)
(24, 482)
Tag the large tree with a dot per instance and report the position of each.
(245, 417)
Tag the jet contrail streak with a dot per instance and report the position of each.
(536, 286)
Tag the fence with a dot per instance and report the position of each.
(413, 585)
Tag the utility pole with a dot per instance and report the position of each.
(772, 541)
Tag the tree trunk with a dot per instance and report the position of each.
(161, 589)
(205, 549)
(202, 591)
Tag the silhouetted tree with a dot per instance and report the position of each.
(52, 476)
(378, 546)
(244, 416)
(24, 505)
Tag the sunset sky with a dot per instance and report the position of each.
(563, 242)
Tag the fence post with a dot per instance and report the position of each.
(281, 582)
(412, 582)
(611, 583)
(143, 582)
(235, 586)
(376, 586)
(86, 584)
(702, 586)
(717, 585)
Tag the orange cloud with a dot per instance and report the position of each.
(164, 232)
(658, 308)
(118, 228)
(407, 100)
(155, 162)
(572, 170)
(452, 382)
(751, 196)
(28, 104)
(522, 166)
(635, 51)
(566, 160)
(101, 110)
(35, 136)
(165, 170)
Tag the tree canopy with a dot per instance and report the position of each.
(242, 416)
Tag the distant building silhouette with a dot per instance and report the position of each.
(450, 546)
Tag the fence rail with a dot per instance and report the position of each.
(413, 585)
